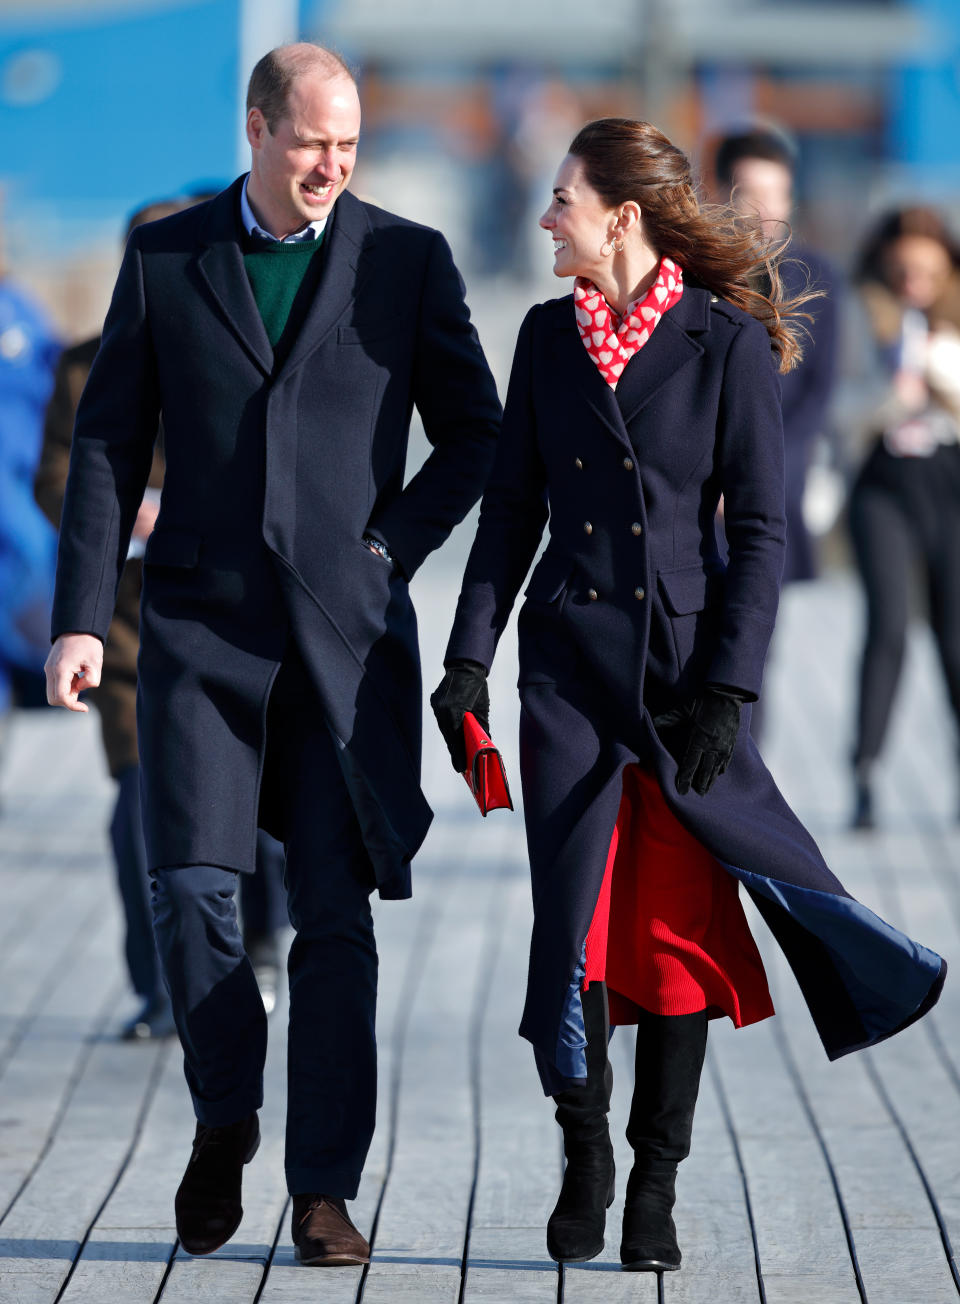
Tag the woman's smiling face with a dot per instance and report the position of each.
(579, 222)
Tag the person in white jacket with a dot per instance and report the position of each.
(905, 502)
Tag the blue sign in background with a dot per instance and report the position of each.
(105, 107)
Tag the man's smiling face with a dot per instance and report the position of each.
(299, 169)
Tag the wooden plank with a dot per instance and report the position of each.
(130, 1243)
(891, 1221)
(26, 895)
(63, 1195)
(793, 1200)
(420, 1236)
(518, 1175)
(42, 1070)
(405, 932)
(35, 962)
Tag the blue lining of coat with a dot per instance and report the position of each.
(571, 1056)
(893, 981)
(900, 966)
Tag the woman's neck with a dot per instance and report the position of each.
(628, 276)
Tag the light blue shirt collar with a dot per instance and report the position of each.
(313, 231)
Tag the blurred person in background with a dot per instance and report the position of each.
(905, 501)
(28, 353)
(285, 331)
(262, 896)
(755, 172)
(634, 403)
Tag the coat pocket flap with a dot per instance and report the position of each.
(172, 548)
(685, 591)
(549, 577)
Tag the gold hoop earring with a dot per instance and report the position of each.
(606, 249)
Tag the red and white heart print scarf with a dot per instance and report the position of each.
(611, 349)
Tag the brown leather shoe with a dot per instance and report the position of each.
(208, 1204)
(323, 1233)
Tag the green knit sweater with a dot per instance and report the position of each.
(277, 271)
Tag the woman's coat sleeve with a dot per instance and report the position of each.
(512, 516)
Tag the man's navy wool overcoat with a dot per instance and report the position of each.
(274, 474)
(629, 611)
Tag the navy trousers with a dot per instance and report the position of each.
(262, 895)
(331, 1057)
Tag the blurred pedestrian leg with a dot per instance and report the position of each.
(905, 502)
(154, 1018)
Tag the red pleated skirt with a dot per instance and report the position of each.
(669, 933)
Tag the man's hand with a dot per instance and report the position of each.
(74, 663)
(146, 517)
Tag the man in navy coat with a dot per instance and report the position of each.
(283, 331)
(755, 172)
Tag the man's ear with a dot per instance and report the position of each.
(256, 127)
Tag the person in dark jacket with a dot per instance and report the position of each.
(633, 405)
(284, 331)
(755, 172)
(262, 897)
(905, 502)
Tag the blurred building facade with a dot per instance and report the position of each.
(107, 103)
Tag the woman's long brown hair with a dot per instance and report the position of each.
(724, 252)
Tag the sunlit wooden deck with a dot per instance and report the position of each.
(809, 1183)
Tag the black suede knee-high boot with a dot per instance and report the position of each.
(670, 1051)
(576, 1226)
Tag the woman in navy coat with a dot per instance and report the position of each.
(633, 405)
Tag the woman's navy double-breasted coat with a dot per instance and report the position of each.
(628, 612)
(275, 471)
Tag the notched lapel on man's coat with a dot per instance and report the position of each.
(345, 267)
(222, 268)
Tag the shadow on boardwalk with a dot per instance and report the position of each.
(809, 1183)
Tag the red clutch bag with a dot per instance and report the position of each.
(485, 775)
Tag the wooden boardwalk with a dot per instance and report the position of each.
(809, 1183)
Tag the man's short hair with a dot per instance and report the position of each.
(757, 142)
(269, 87)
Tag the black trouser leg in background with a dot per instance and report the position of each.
(133, 883)
(885, 547)
(944, 591)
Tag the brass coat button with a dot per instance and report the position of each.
(639, 594)
(578, 464)
(628, 463)
(637, 528)
(587, 528)
(592, 594)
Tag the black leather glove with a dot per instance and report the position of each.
(701, 736)
(463, 688)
